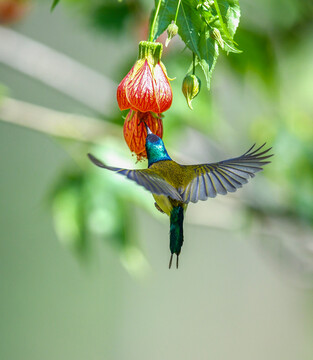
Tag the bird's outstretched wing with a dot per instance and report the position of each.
(224, 176)
(145, 177)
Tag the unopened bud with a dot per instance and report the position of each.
(218, 37)
(172, 30)
(191, 88)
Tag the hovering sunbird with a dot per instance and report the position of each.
(174, 186)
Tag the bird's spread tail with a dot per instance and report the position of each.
(176, 232)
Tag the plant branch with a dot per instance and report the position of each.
(55, 123)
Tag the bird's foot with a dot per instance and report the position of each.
(171, 260)
(158, 207)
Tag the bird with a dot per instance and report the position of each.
(174, 186)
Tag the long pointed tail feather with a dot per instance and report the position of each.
(176, 232)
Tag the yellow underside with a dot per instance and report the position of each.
(177, 176)
(166, 204)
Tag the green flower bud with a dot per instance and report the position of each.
(191, 88)
(218, 37)
(172, 30)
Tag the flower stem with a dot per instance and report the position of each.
(151, 35)
(178, 5)
(193, 63)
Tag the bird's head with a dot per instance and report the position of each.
(155, 148)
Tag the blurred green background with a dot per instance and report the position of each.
(84, 254)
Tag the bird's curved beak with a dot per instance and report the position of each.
(149, 132)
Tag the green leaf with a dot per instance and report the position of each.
(199, 23)
(222, 18)
(209, 48)
(54, 4)
(231, 12)
(165, 17)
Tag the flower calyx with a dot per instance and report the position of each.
(146, 87)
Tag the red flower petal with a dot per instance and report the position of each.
(163, 90)
(135, 132)
(145, 88)
(122, 100)
(140, 90)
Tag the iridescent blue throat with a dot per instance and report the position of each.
(155, 149)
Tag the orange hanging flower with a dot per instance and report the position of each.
(12, 11)
(135, 131)
(146, 87)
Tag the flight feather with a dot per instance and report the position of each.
(144, 177)
(225, 176)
